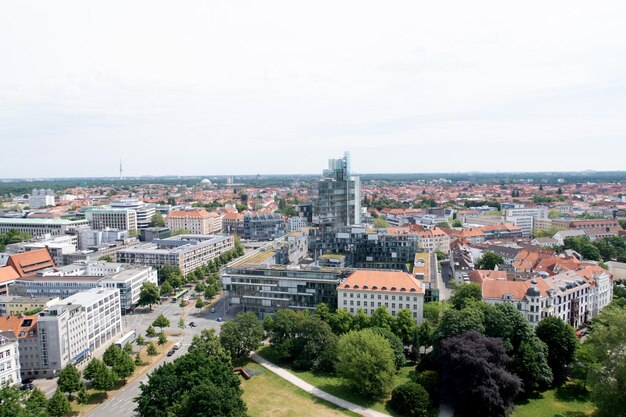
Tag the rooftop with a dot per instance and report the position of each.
(386, 281)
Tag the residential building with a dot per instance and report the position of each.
(295, 224)
(263, 226)
(13, 305)
(41, 227)
(434, 239)
(41, 198)
(292, 249)
(9, 360)
(112, 218)
(233, 224)
(561, 235)
(188, 252)
(264, 290)
(24, 330)
(337, 196)
(198, 221)
(370, 289)
(524, 217)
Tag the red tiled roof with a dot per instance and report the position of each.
(8, 273)
(392, 281)
(18, 324)
(190, 214)
(31, 261)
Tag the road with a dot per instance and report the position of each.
(443, 279)
(122, 405)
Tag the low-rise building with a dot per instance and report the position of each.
(11, 305)
(370, 289)
(9, 360)
(232, 224)
(41, 227)
(24, 330)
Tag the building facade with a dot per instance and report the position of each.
(9, 360)
(41, 227)
(263, 226)
(198, 221)
(41, 198)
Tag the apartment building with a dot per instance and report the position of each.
(199, 221)
(369, 290)
(232, 224)
(264, 290)
(24, 330)
(434, 239)
(9, 360)
(188, 252)
(12, 305)
(112, 218)
(41, 198)
(41, 227)
(524, 217)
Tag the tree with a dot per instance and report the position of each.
(199, 303)
(361, 320)
(181, 323)
(105, 258)
(151, 349)
(405, 326)
(380, 223)
(607, 339)
(366, 361)
(149, 294)
(454, 322)
(112, 354)
(69, 380)
(340, 321)
(443, 224)
(466, 292)
(59, 405)
(124, 366)
(474, 376)
(561, 341)
(381, 317)
(589, 251)
(490, 260)
(157, 220)
(82, 397)
(140, 340)
(162, 339)
(194, 385)
(128, 348)
(36, 404)
(150, 332)
(433, 311)
(166, 288)
(161, 322)
(530, 363)
(242, 335)
(396, 345)
(457, 223)
(208, 343)
(410, 399)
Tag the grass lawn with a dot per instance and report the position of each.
(568, 401)
(335, 386)
(267, 394)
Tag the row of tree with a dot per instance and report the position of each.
(17, 403)
(607, 249)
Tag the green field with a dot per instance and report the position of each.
(335, 386)
(267, 394)
(567, 401)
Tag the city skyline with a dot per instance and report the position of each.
(274, 88)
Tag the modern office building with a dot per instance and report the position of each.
(366, 248)
(263, 226)
(41, 198)
(232, 223)
(264, 290)
(143, 211)
(296, 223)
(369, 290)
(188, 252)
(198, 221)
(524, 217)
(9, 359)
(112, 218)
(88, 237)
(41, 227)
(337, 196)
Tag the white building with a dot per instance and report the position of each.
(296, 223)
(113, 218)
(41, 198)
(88, 237)
(371, 289)
(102, 313)
(197, 221)
(143, 211)
(9, 359)
(524, 217)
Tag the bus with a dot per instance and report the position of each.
(127, 338)
(179, 295)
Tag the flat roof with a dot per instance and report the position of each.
(42, 222)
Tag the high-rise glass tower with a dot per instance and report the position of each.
(337, 196)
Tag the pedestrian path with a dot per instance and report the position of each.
(283, 373)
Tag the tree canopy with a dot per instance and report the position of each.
(242, 335)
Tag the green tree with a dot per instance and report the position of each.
(366, 361)
(405, 326)
(433, 311)
(340, 321)
(124, 366)
(457, 223)
(561, 341)
(361, 320)
(490, 260)
(82, 397)
(161, 322)
(36, 404)
(411, 399)
(166, 288)
(157, 220)
(69, 380)
(455, 322)
(140, 340)
(138, 360)
(105, 258)
(112, 354)
(208, 343)
(181, 323)
(152, 351)
(199, 303)
(59, 405)
(162, 339)
(443, 224)
(589, 251)
(150, 332)
(242, 335)
(128, 348)
(380, 223)
(464, 293)
(149, 294)
(381, 317)
(396, 345)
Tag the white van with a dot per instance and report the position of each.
(177, 345)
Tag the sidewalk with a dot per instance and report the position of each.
(315, 391)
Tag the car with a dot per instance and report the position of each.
(192, 324)
(176, 346)
(219, 319)
(212, 309)
(171, 352)
(27, 386)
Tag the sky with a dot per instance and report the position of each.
(224, 87)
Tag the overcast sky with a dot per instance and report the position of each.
(245, 87)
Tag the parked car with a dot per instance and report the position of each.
(171, 352)
(27, 386)
(219, 319)
(212, 309)
(192, 324)
(177, 345)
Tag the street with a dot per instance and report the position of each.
(443, 280)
